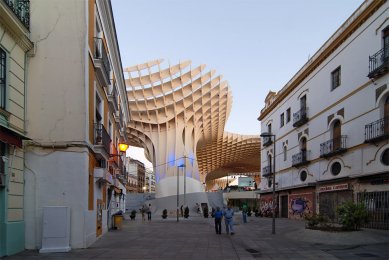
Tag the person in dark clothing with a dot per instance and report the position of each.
(149, 212)
(218, 220)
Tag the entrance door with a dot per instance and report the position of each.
(284, 206)
(329, 201)
(99, 218)
(337, 131)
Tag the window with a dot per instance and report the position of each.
(336, 168)
(285, 153)
(385, 36)
(269, 128)
(282, 120)
(303, 176)
(2, 78)
(385, 157)
(335, 78)
(288, 115)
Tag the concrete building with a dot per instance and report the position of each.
(330, 123)
(137, 169)
(77, 112)
(132, 184)
(15, 45)
(150, 181)
(178, 116)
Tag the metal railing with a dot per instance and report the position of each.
(377, 205)
(377, 130)
(266, 171)
(21, 8)
(102, 136)
(379, 62)
(333, 146)
(300, 117)
(299, 158)
(113, 95)
(101, 53)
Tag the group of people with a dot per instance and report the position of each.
(146, 209)
(227, 214)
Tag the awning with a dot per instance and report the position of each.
(11, 137)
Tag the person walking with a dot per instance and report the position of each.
(244, 213)
(218, 220)
(149, 212)
(142, 211)
(228, 219)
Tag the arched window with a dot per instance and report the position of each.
(336, 135)
(285, 153)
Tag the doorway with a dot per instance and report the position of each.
(284, 206)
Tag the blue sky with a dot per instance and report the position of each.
(258, 45)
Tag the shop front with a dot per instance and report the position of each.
(331, 195)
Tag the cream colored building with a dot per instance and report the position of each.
(330, 123)
(77, 112)
(178, 116)
(15, 46)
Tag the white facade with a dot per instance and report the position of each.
(355, 103)
(76, 112)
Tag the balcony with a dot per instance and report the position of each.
(119, 118)
(267, 141)
(112, 98)
(300, 117)
(379, 63)
(266, 171)
(377, 131)
(300, 159)
(103, 176)
(101, 61)
(102, 140)
(21, 8)
(333, 147)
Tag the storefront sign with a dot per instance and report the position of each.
(343, 186)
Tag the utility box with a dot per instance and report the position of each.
(56, 229)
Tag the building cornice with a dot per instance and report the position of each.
(14, 27)
(341, 35)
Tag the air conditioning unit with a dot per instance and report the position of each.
(2, 180)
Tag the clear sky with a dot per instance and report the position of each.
(258, 45)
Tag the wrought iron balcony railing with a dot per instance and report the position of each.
(300, 117)
(333, 146)
(112, 98)
(377, 131)
(267, 141)
(300, 158)
(21, 8)
(266, 171)
(379, 62)
(100, 53)
(102, 137)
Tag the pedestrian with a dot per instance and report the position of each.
(142, 211)
(182, 210)
(228, 219)
(218, 220)
(198, 208)
(149, 212)
(244, 213)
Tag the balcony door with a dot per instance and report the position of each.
(303, 148)
(303, 102)
(385, 35)
(336, 135)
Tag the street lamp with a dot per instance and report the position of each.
(178, 189)
(266, 134)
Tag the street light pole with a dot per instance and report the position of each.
(274, 180)
(184, 180)
(178, 189)
(274, 187)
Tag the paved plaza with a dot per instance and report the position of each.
(195, 238)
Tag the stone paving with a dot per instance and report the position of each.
(195, 238)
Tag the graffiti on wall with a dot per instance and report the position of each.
(300, 205)
(266, 209)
